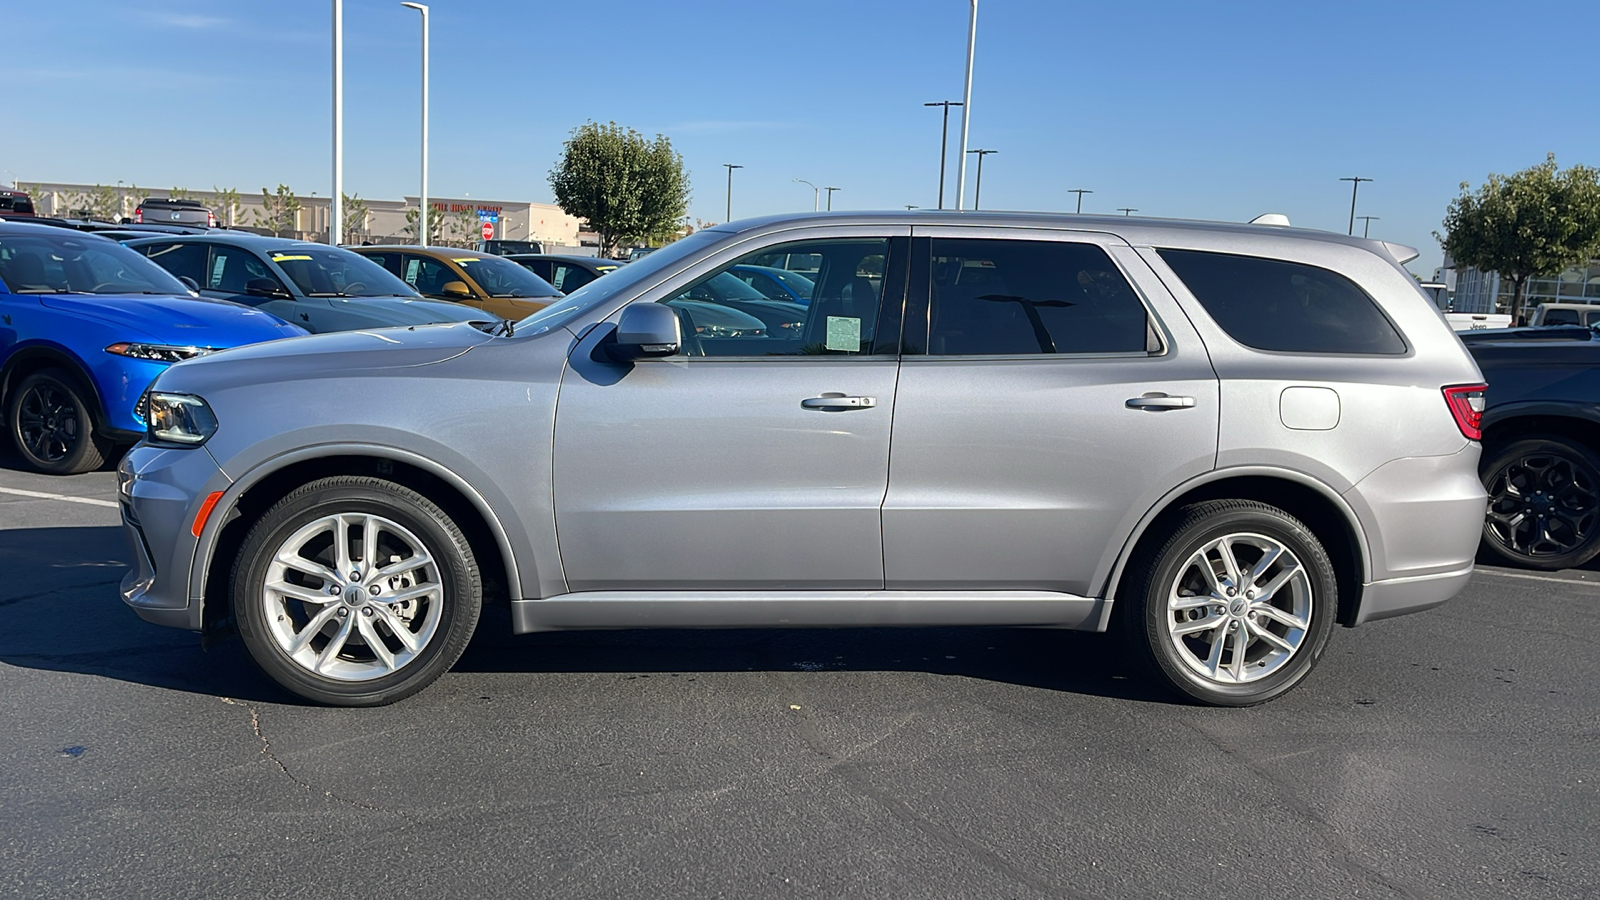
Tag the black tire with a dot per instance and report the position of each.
(1165, 566)
(52, 424)
(269, 622)
(1544, 502)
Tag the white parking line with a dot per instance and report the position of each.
(1579, 580)
(41, 495)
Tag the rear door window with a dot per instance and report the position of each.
(183, 259)
(1016, 297)
(1274, 304)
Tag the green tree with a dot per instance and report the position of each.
(355, 218)
(1532, 223)
(435, 225)
(225, 202)
(278, 211)
(466, 225)
(179, 193)
(628, 188)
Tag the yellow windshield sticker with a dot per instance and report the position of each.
(282, 257)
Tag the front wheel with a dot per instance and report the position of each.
(1544, 503)
(51, 424)
(1233, 605)
(356, 591)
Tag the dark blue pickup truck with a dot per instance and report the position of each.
(1541, 444)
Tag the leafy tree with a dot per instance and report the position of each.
(179, 193)
(628, 188)
(1532, 223)
(103, 201)
(435, 225)
(226, 203)
(279, 211)
(355, 217)
(466, 225)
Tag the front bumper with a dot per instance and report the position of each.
(160, 492)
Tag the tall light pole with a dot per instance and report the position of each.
(422, 206)
(1355, 185)
(830, 191)
(1127, 210)
(813, 192)
(1080, 192)
(1366, 223)
(335, 224)
(730, 167)
(977, 195)
(966, 106)
(944, 138)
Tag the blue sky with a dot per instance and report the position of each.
(1217, 110)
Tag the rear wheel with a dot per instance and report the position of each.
(356, 591)
(1233, 606)
(1544, 503)
(52, 425)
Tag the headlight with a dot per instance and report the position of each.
(157, 352)
(180, 419)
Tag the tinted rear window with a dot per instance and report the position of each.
(1272, 304)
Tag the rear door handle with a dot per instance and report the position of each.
(1156, 401)
(833, 401)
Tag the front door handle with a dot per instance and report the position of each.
(1158, 402)
(836, 401)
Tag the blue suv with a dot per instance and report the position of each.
(85, 325)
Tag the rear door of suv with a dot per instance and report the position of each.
(1050, 393)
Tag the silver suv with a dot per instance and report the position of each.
(1218, 440)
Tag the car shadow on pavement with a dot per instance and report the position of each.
(60, 611)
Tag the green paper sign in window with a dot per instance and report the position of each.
(844, 333)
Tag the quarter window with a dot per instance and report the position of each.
(1273, 304)
(1009, 297)
(722, 315)
(179, 259)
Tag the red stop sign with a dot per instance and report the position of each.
(488, 230)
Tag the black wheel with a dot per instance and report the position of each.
(1544, 503)
(52, 424)
(356, 591)
(1232, 604)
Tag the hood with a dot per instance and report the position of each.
(414, 311)
(183, 321)
(325, 355)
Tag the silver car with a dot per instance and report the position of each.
(1218, 440)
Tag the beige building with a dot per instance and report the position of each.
(461, 218)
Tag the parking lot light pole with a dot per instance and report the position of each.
(830, 191)
(813, 192)
(944, 139)
(1080, 192)
(1366, 223)
(977, 194)
(966, 106)
(1355, 185)
(422, 205)
(336, 222)
(730, 167)
(1127, 210)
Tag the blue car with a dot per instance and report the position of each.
(775, 283)
(85, 325)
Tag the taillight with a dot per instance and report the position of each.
(211, 220)
(1466, 404)
(138, 217)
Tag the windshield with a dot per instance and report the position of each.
(320, 271)
(73, 263)
(627, 278)
(500, 277)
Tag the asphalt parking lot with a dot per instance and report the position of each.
(1450, 754)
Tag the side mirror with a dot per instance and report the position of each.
(190, 283)
(266, 287)
(457, 289)
(645, 330)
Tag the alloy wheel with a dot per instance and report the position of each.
(1542, 504)
(49, 423)
(352, 597)
(1239, 609)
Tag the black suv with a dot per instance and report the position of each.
(156, 211)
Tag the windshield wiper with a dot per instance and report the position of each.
(508, 327)
(330, 294)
